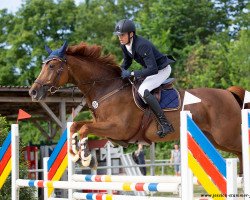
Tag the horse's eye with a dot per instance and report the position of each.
(51, 66)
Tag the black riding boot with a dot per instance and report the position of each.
(166, 127)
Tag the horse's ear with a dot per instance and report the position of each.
(62, 50)
(64, 47)
(48, 49)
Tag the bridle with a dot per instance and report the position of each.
(52, 88)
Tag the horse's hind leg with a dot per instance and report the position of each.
(237, 151)
(239, 154)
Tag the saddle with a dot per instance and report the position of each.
(169, 99)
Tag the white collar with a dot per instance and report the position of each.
(129, 46)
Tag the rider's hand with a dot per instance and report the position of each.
(126, 73)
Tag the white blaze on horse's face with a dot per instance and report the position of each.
(53, 75)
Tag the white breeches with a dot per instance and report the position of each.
(154, 81)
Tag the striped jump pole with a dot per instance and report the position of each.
(146, 187)
(217, 175)
(5, 160)
(117, 178)
(245, 127)
(56, 165)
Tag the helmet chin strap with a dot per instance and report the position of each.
(129, 39)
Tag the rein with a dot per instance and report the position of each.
(96, 103)
(52, 88)
(99, 81)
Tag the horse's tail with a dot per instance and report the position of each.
(238, 93)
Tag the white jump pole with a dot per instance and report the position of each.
(245, 150)
(71, 168)
(15, 161)
(231, 167)
(186, 173)
(45, 176)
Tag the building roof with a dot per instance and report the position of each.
(13, 98)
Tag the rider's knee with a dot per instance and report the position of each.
(146, 93)
(141, 91)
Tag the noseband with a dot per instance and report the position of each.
(52, 88)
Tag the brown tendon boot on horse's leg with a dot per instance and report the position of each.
(166, 127)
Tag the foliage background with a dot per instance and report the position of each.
(209, 39)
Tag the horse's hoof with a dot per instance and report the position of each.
(86, 160)
(75, 158)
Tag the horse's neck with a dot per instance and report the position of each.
(93, 80)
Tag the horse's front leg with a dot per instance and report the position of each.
(73, 140)
(101, 129)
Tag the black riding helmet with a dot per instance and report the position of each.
(124, 26)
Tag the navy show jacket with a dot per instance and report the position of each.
(146, 54)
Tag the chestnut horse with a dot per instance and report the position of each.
(115, 114)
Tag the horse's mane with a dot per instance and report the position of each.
(93, 52)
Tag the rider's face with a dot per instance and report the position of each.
(124, 38)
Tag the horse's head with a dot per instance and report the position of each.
(54, 74)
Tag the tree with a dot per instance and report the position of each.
(37, 23)
(182, 21)
(239, 60)
(220, 63)
(7, 74)
(172, 26)
(206, 66)
(176, 26)
(96, 20)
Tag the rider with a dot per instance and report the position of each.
(156, 68)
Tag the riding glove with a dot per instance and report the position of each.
(126, 73)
